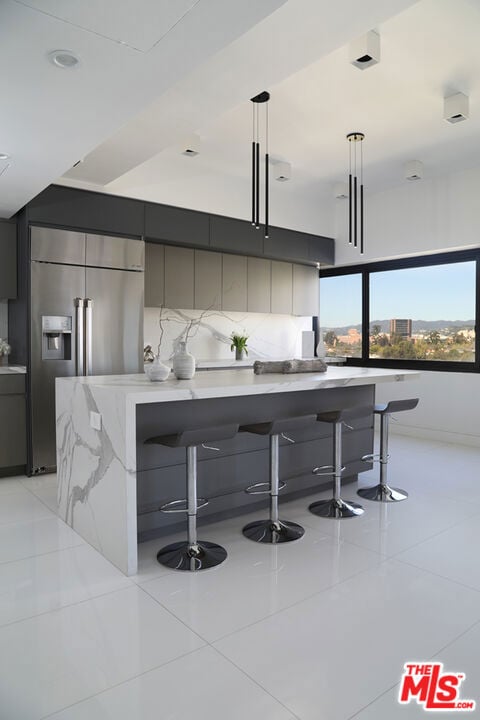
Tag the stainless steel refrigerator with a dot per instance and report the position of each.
(86, 318)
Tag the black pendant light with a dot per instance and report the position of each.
(355, 191)
(261, 99)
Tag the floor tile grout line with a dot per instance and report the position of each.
(257, 683)
(64, 607)
(298, 602)
(439, 575)
(123, 682)
(82, 543)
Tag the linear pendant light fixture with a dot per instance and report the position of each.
(355, 191)
(257, 101)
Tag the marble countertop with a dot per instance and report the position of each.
(231, 383)
(12, 370)
(247, 362)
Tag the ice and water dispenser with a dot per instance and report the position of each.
(56, 337)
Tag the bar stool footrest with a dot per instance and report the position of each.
(273, 533)
(375, 457)
(181, 506)
(337, 509)
(383, 493)
(183, 556)
(326, 470)
(250, 490)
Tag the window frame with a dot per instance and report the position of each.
(365, 269)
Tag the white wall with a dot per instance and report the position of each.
(417, 218)
(270, 336)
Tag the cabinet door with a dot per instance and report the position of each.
(234, 283)
(12, 430)
(286, 244)
(179, 278)
(282, 287)
(208, 280)
(306, 290)
(235, 236)
(258, 285)
(176, 225)
(154, 275)
(8, 260)
(92, 211)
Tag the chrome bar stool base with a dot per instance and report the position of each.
(336, 508)
(273, 533)
(182, 556)
(383, 493)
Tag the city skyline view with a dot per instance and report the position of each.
(415, 293)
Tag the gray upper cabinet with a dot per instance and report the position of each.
(258, 285)
(321, 250)
(236, 236)
(234, 283)
(89, 211)
(208, 280)
(177, 225)
(8, 260)
(306, 290)
(286, 244)
(154, 275)
(179, 277)
(282, 288)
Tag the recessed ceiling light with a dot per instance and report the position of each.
(65, 59)
(4, 156)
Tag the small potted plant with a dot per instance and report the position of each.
(5, 351)
(239, 342)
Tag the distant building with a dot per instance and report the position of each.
(401, 327)
(352, 338)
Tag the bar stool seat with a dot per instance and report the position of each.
(336, 507)
(191, 554)
(383, 492)
(273, 530)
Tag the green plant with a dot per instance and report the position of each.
(239, 342)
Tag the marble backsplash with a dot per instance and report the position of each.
(270, 336)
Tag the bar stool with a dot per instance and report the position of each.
(273, 530)
(192, 554)
(383, 492)
(336, 507)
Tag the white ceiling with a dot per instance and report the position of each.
(131, 52)
(300, 53)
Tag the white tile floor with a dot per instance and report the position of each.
(314, 630)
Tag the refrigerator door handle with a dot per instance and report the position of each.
(79, 337)
(88, 336)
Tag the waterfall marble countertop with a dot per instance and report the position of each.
(96, 440)
(231, 383)
(12, 370)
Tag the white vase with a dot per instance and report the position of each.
(183, 363)
(156, 371)
(321, 349)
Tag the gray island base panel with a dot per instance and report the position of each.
(106, 475)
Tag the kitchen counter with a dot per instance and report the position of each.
(13, 370)
(97, 436)
(248, 363)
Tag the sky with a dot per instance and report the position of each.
(441, 292)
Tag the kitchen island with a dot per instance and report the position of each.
(103, 465)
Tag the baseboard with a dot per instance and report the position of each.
(436, 435)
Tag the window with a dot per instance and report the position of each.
(341, 315)
(415, 312)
